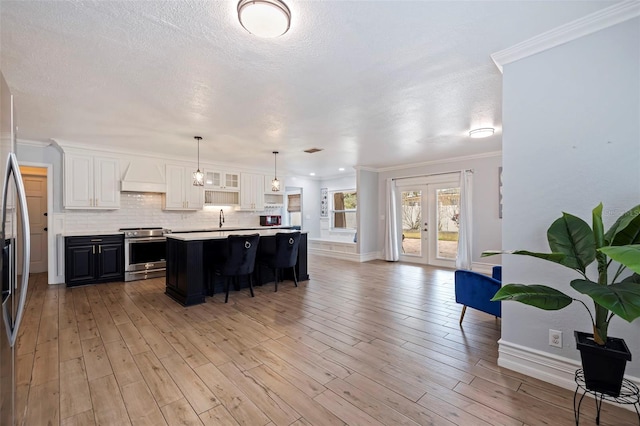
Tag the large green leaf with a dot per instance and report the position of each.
(625, 230)
(574, 238)
(623, 299)
(629, 256)
(540, 296)
(633, 278)
(551, 257)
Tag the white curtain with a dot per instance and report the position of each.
(391, 232)
(463, 261)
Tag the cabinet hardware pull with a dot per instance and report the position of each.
(93, 249)
(96, 240)
(100, 249)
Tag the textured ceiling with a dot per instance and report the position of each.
(373, 83)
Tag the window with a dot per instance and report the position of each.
(343, 214)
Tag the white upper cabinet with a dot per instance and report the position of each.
(252, 192)
(267, 185)
(224, 181)
(181, 194)
(91, 182)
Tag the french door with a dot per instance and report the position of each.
(430, 221)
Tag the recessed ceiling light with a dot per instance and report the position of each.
(312, 174)
(264, 18)
(481, 133)
(341, 169)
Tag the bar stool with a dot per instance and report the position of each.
(240, 259)
(285, 256)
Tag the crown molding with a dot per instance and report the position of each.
(581, 27)
(444, 161)
(28, 142)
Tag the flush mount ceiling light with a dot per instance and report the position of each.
(481, 133)
(264, 18)
(275, 183)
(198, 176)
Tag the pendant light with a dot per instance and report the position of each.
(198, 176)
(275, 183)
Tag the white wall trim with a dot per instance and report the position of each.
(27, 142)
(589, 24)
(483, 268)
(443, 161)
(354, 257)
(545, 366)
(366, 257)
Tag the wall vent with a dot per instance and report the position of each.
(312, 150)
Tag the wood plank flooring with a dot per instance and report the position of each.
(375, 343)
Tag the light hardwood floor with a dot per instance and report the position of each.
(375, 343)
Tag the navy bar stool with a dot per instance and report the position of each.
(240, 260)
(285, 255)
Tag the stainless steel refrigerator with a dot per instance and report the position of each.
(14, 262)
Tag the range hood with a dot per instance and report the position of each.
(144, 175)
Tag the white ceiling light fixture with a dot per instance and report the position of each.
(264, 18)
(275, 183)
(483, 132)
(198, 176)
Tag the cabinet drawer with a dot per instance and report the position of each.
(94, 239)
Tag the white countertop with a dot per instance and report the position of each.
(91, 233)
(225, 228)
(220, 235)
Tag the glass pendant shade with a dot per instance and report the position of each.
(275, 185)
(198, 176)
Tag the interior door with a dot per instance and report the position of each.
(429, 215)
(36, 188)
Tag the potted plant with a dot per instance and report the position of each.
(576, 245)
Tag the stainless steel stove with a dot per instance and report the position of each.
(144, 253)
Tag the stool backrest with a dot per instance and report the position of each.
(287, 244)
(241, 254)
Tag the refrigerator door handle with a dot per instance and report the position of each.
(13, 172)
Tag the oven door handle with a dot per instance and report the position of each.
(146, 240)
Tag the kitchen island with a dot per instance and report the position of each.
(188, 255)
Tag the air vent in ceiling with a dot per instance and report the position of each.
(312, 150)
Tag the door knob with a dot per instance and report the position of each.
(46, 214)
(46, 229)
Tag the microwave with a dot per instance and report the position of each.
(270, 220)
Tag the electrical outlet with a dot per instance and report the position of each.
(555, 338)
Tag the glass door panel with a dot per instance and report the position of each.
(430, 219)
(413, 244)
(446, 215)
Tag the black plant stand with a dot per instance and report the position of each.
(629, 394)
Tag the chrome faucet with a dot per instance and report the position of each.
(221, 218)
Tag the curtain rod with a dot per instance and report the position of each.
(433, 174)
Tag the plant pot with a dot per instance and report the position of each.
(603, 365)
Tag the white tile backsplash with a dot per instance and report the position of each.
(145, 209)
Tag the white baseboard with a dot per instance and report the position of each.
(483, 268)
(544, 366)
(366, 257)
(354, 257)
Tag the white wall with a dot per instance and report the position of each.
(310, 203)
(487, 232)
(339, 183)
(571, 140)
(368, 213)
